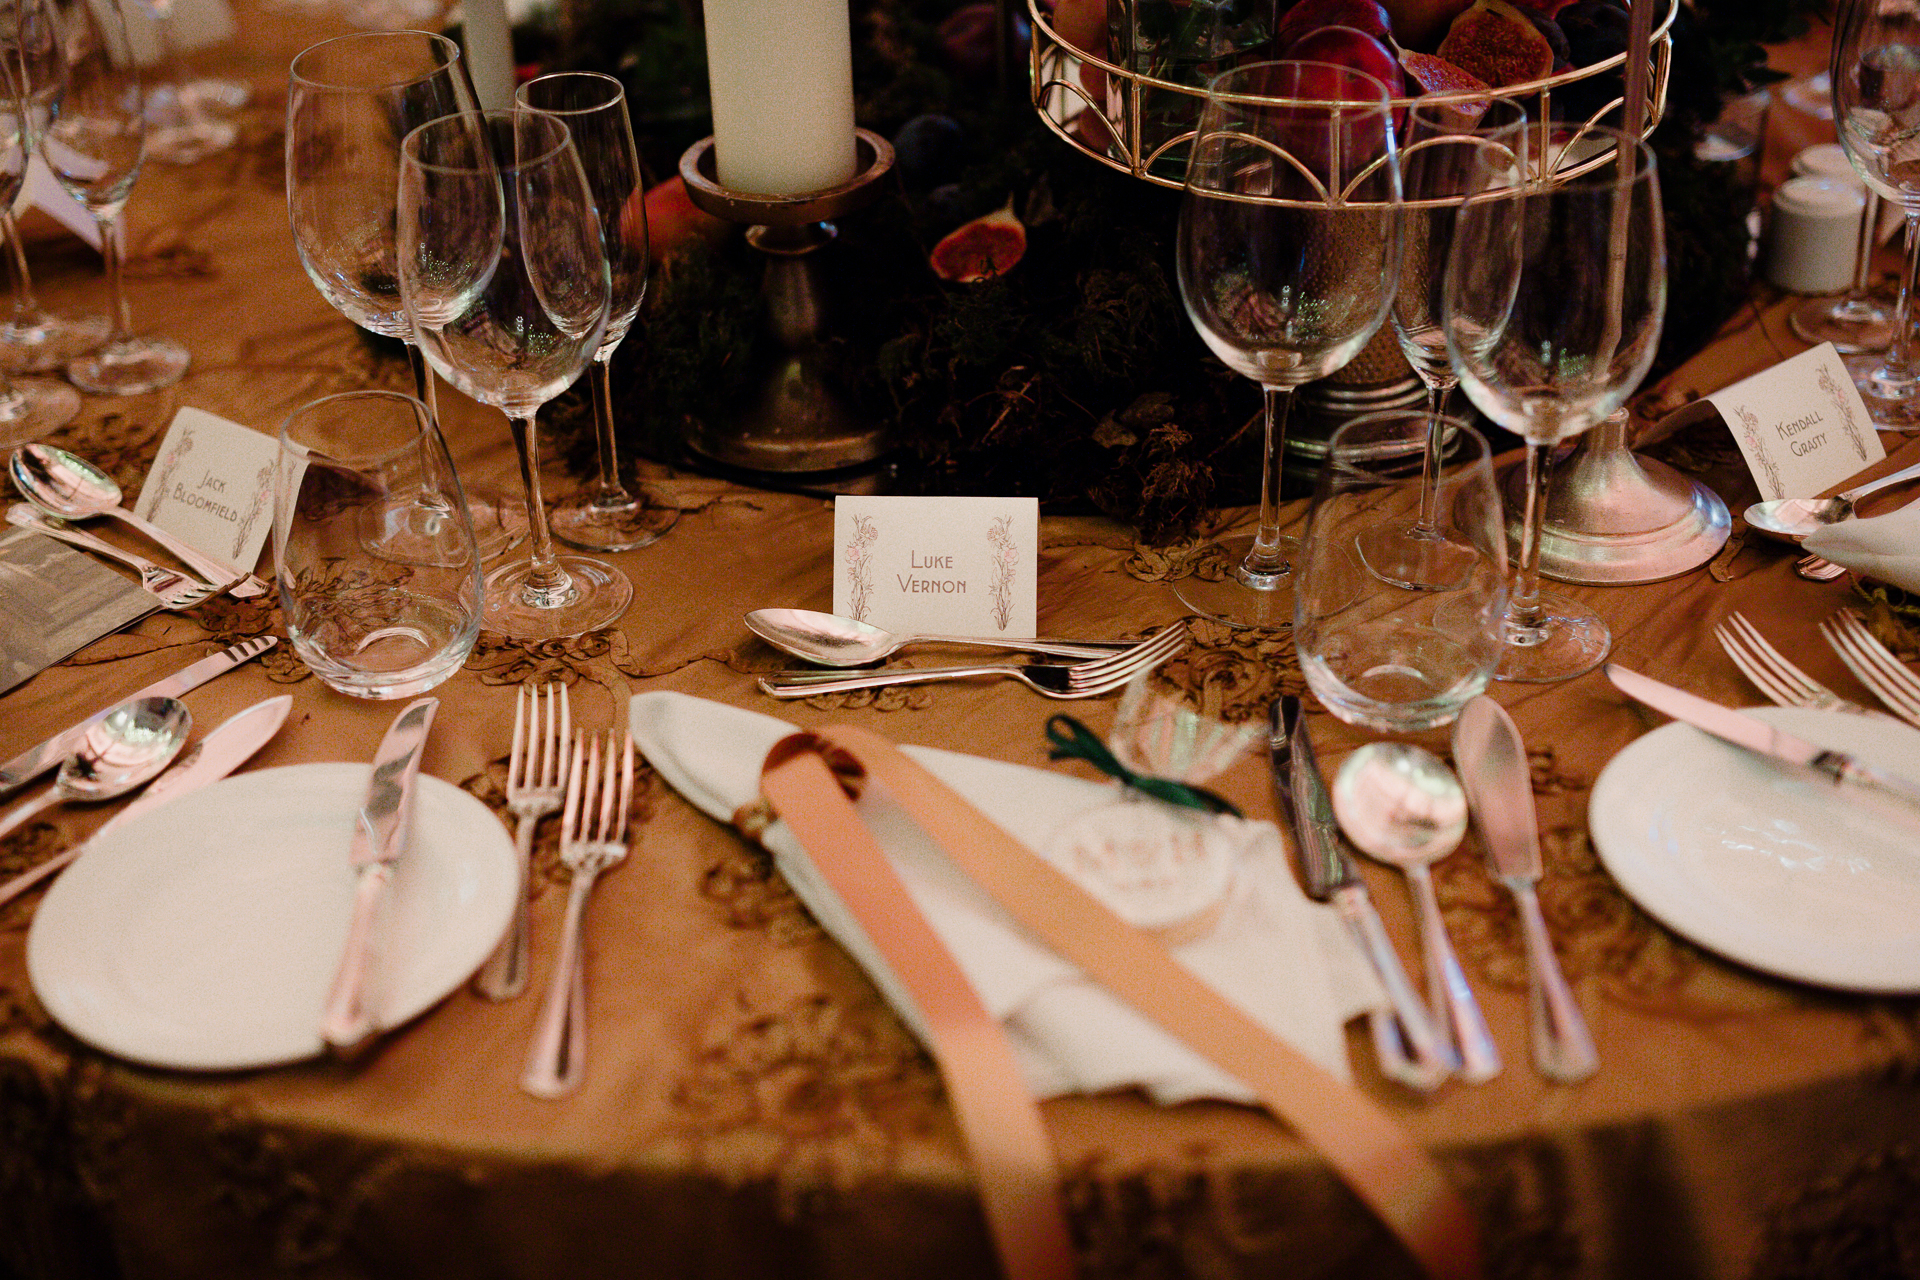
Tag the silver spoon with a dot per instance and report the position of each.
(129, 746)
(834, 641)
(1795, 518)
(1404, 806)
(68, 487)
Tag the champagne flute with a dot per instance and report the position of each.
(33, 339)
(504, 276)
(1555, 296)
(606, 516)
(351, 101)
(95, 146)
(1438, 147)
(29, 407)
(1288, 251)
(1875, 75)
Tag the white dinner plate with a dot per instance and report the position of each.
(205, 934)
(1765, 864)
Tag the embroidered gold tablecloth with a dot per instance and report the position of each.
(752, 1109)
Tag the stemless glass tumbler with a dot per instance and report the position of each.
(1380, 652)
(504, 277)
(379, 578)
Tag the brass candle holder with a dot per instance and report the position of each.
(794, 423)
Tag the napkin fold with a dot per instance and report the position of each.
(1289, 963)
(1886, 548)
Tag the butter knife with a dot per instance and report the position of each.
(1493, 766)
(214, 757)
(1761, 738)
(380, 832)
(30, 764)
(1404, 1041)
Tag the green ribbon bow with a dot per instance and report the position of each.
(1074, 741)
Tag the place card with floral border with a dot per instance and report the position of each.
(1801, 425)
(938, 565)
(212, 484)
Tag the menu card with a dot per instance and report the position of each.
(55, 601)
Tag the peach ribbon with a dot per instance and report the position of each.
(807, 779)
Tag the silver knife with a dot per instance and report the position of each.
(380, 833)
(214, 757)
(1405, 1042)
(1493, 766)
(30, 764)
(1761, 738)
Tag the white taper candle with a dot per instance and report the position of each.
(781, 76)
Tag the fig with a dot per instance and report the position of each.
(1419, 24)
(1556, 39)
(988, 246)
(1352, 48)
(1435, 74)
(1498, 43)
(967, 38)
(1595, 31)
(1311, 15)
(926, 148)
(1083, 25)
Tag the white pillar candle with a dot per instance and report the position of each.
(781, 77)
(489, 52)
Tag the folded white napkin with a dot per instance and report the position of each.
(1287, 962)
(1886, 548)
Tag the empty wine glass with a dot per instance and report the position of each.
(1555, 295)
(606, 516)
(1439, 145)
(351, 101)
(95, 145)
(29, 407)
(504, 277)
(33, 339)
(1875, 76)
(1854, 322)
(181, 126)
(1288, 251)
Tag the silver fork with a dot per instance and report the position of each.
(1891, 680)
(173, 589)
(593, 837)
(1055, 680)
(1772, 674)
(536, 784)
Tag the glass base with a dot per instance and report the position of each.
(499, 520)
(594, 596)
(1852, 325)
(1570, 640)
(1244, 598)
(130, 368)
(619, 522)
(190, 142)
(42, 341)
(35, 407)
(1415, 559)
(1892, 401)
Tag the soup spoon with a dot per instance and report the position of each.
(1795, 518)
(835, 641)
(1404, 806)
(125, 748)
(68, 487)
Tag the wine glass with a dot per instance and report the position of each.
(29, 407)
(504, 276)
(33, 339)
(1555, 295)
(180, 127)
(606, 516)
(95, 145)
(1288, 250)
(351, 101)
(1854, 322)
(1875, 75)
(1439, 144)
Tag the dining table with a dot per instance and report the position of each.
(752, 1106)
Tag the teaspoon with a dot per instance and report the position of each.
(835, 641)
(68, 487)
(1404, 806)
(125, 748)
(1795, 518)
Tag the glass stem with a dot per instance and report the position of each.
(1264, 559)
(1523, 607)
(122, 311)
(611, 493)
(547, 582)
(1430, 461)
(423, 383)
(1900, 351)
(1855, 304)
(25, 306)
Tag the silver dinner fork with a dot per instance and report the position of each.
(593, 837)
(536, 784)
(1054, 679)
(173, 589)
(1772, 674)
(1891, 680)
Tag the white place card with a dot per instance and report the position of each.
(1801, 425)
(212, 484)
(943, 566)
